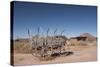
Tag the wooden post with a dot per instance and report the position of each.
(30, 39)
(62, 32)
(55, 32)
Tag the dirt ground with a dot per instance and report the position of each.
(81, 54)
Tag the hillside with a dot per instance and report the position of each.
(90, 37)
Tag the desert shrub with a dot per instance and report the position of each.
(20, 47)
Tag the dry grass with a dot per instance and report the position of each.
(21, 47)
(24, 47)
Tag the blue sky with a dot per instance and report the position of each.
(74, 19)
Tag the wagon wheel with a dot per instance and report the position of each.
(35, 52)
(32, 50)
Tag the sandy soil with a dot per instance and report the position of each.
(81, 54)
